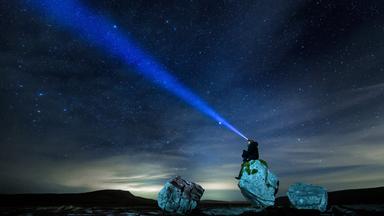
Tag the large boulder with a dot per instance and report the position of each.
(179, 196)
(258, 184)
(307, 196)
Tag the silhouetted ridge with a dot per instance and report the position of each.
(344, 197)
(95, 198)
(357, 196)
(127, 199)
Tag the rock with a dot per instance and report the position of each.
(307, 196)
(258, 184)
(179, 196)
(338, 210)
(231, 211)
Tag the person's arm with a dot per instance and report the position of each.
(245, 154)
(257, 153)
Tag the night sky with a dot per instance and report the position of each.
(303, 78)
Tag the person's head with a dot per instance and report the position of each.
(252, 142)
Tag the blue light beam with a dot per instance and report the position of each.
(97, 30)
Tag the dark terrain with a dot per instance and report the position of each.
(347, 202)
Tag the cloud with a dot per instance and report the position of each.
(323, 125)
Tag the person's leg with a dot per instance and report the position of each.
(240, 172)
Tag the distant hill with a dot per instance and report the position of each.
(348, 197)
(120, 198)
(96, 198)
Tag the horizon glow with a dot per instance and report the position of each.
(97, 30)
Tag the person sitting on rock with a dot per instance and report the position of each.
(251, 154)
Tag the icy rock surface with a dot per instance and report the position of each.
(258, 184)
(179, 196)
(307, 196)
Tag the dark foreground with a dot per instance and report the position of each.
(242, 211)
(110, 202)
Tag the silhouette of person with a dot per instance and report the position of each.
(251, 154)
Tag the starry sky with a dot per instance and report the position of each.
(303, 78)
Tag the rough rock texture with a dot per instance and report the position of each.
(306, 196)
(258, 184)
(230, 211)
(179, 196)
